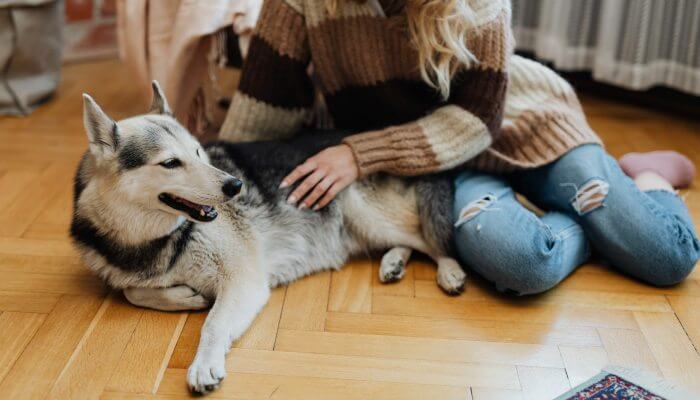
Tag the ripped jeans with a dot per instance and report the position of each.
(591, 203)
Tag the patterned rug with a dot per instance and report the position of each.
(617, 383)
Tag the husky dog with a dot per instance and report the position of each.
(177, 225)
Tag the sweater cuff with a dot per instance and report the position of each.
(385, 150)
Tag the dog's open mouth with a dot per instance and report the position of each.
(196, 211)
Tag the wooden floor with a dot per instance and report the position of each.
(337, 335)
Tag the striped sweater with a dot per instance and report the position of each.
(503, 113)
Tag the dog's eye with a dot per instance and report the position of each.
(199, 152)
(171, 163)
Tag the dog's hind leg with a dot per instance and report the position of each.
(450, 276)
(393, 266)
(175, 298)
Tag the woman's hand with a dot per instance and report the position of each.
(327, 173)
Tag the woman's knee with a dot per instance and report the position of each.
(648, 244)
(516, 263)
(671, 266)
(538, 279)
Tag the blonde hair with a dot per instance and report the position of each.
(438, 30)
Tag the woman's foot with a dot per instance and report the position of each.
(673, 167)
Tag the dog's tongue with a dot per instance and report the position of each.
(200, 208)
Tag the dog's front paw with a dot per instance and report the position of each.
(450, 277)
(206, 373)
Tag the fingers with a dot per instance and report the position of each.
(306, 185)
(319, 190)
(299, 172)
(330, 194)
(321, 177)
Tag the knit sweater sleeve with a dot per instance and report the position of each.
(457, 131)
(275, 94)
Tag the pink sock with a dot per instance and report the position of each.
(675, 167)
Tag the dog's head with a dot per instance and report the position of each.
(152, 162)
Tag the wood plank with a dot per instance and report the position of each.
(515, 310)
(106, 395)
(387, 346)
(351, 287)
(32, 199)
(76, 284)
(13, 182)
(607, 300)
(561, 296)
(445, 328)
(147, 353)
(8, 165)
(424, 269)
(675, 354)
(608, 280)
(496, 394)
(186, 346)
(583, 363)
(404, 287)
(266, 386)
(28, 302)
(628, 348)
(372, 368)
(688, 312)
(37, 247)
(51, 223)
(542, 383)
(263, 333)
(99, 351)
(43, 359)
(306, 303)
(17, 330)
(43, 264)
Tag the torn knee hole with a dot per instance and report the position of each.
(590, 196)
(475, 207)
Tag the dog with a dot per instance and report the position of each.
(177, 225)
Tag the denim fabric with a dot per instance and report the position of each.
(647, 235)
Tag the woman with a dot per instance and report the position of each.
(424, 83)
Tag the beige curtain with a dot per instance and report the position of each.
(635, 44)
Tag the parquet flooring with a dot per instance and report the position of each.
(337, 335)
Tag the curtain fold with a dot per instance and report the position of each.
(635, 44)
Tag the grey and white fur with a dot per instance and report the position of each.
(178, 226)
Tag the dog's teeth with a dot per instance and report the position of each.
(201, 212)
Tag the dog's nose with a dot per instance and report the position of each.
(232, 187)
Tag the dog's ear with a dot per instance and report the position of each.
(159, 104)
(101, 130)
